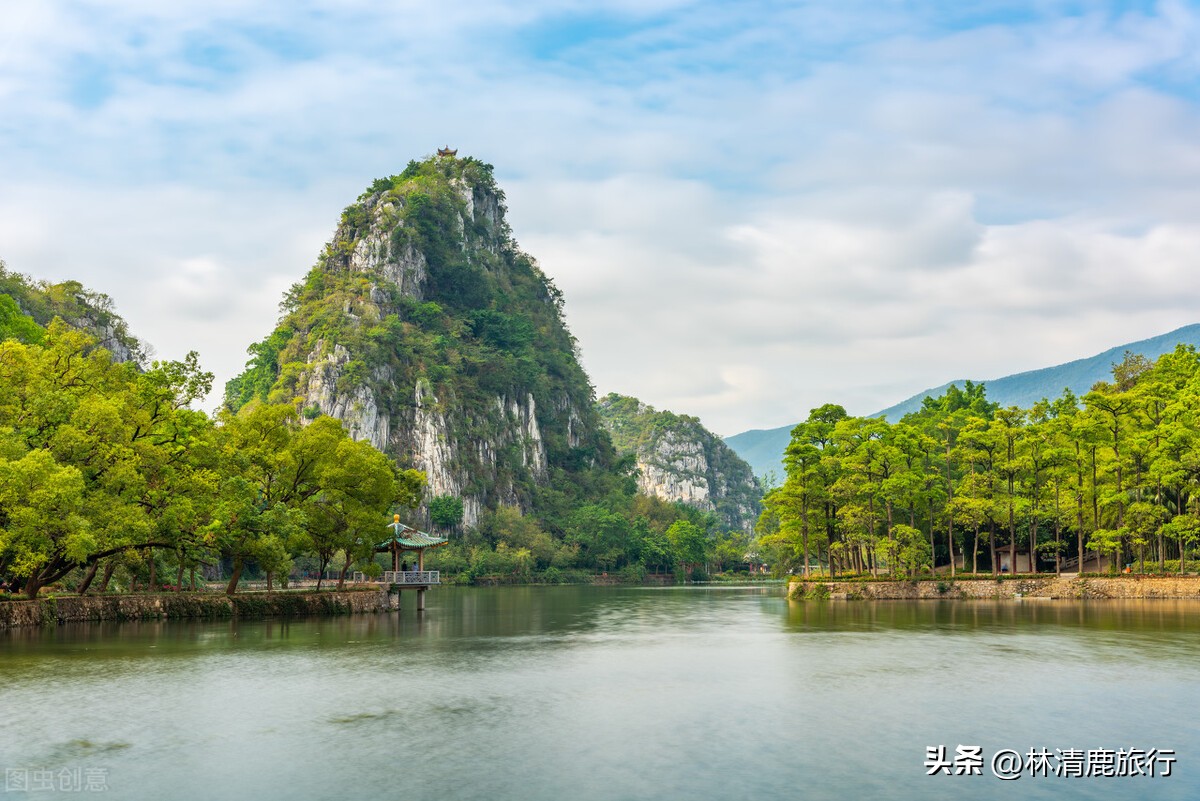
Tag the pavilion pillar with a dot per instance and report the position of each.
(395, 556)
(421, 560)
(421, 600)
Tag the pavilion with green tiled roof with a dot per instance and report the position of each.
(409, 539)
(406, 538)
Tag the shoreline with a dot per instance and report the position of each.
(54, 611)
(989, 588)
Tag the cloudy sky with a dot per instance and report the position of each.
(752, 208)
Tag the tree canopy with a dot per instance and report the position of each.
(1113, 474)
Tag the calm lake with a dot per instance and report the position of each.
(570, 693)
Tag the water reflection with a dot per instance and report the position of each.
(604, 693)
(1129, 617)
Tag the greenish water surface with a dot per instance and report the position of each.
(603, 693)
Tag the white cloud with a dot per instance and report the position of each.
(750, 214)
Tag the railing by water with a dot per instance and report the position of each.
(404, 577)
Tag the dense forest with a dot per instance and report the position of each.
(104, 469)
(965, 484)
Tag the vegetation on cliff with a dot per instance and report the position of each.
(678, 459)
(28, 306)
(431, 304)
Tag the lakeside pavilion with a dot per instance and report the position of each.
(405, 538)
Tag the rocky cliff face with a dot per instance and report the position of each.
(678, 459)
(430, 334)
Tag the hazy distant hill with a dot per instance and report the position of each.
(1026, 389)
(763, 449)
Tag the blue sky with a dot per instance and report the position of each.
(752, 208)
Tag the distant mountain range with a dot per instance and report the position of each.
(763, 449)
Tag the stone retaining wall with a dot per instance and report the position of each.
(999, 589)
(78, 609)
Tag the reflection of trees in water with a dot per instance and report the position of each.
(1130, 617)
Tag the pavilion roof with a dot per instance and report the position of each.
(409, 539)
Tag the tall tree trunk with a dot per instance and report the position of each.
(1079, 523)
(949, 514)
(949, 542)
(1033, 523)
(1162, 557)
(992, 544)
(179, 575)
(804, 534)
(872, 559)
(1012, 539)
(235, 577)
(342, 576)
(109, 567)
(1095, 494)
(974, 554)
(324, 561)
(88, 577)
(1079, 505)
(1057, 532)
(912, 522)
(153, 585)
(33, 585)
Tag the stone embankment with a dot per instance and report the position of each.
(180, 606)
(1074, 587)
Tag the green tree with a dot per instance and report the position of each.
(688, 545)
(15, 324)
(507, 526)
(601, 534)
(357, 485)
(446, 511)
(261, 477)
(128, 438)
